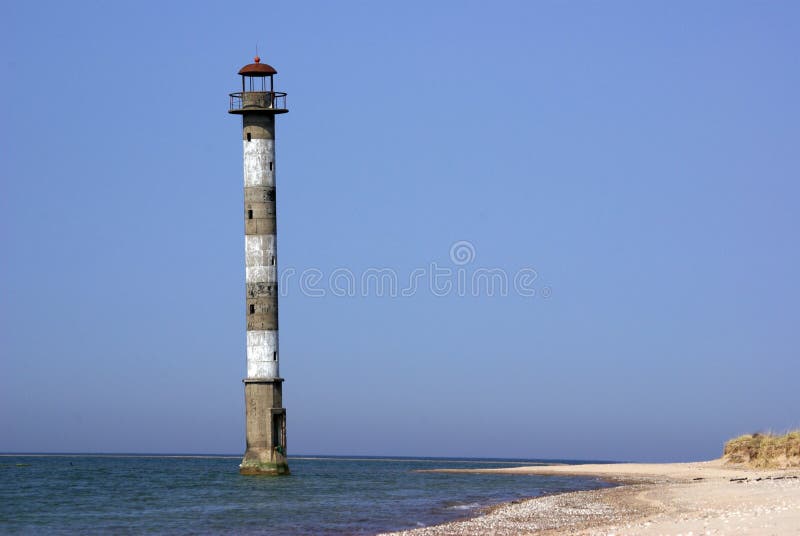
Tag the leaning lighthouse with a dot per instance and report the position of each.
(258, 103)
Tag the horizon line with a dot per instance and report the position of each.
(337, 457)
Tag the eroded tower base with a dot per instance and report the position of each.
(249, 467)
(266, 428)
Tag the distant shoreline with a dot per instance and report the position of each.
(651, 499)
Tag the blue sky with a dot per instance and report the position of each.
(641, 157)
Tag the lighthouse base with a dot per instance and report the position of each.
(255, 467)
(266, 428)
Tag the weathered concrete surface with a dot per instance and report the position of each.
(265, 415)
(266, 428)
(261, 251)
(258, 126)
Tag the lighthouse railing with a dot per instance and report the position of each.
(258, 100)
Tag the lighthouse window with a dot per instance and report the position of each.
(248, 136)
(272, 261)
(249, 214)
(252, 309)
(274, 356)
(270, 166)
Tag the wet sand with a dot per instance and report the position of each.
(654, 499)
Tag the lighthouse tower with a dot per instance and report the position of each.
(258, 103)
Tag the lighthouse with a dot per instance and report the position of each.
(258, 103)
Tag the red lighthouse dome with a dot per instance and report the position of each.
(257, 69)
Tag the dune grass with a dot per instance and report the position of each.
(764, 450)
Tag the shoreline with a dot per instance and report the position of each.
(650, 499)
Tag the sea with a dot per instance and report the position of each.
(325, 495)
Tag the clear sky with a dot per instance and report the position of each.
(641, 157)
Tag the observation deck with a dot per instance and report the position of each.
(265, 102)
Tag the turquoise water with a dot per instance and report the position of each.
(183, 495)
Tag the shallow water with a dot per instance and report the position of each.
(182, 495)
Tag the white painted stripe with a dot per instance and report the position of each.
(262, 354)
(260, 274)
(259, 256)
(263, 370)
(259, 250)
(258, 154)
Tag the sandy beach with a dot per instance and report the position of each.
(653, 499)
